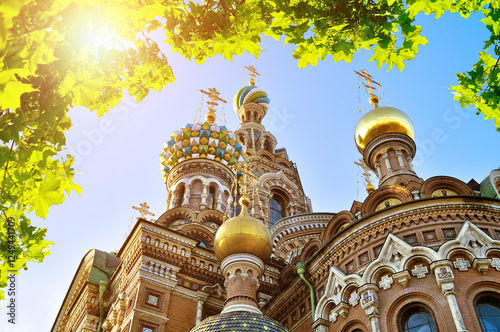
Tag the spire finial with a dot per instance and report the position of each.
(252, 73)
(374, 99)
(213, 94)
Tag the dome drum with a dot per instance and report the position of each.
(377, 145)
(205, 168)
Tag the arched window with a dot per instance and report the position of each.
(180, 195)
(278, 210)
(488, 311)
(211, 198)
(417, 319)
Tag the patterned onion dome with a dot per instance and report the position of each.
(239, 321)
(251, 94)
(379, 121)
(206, 140)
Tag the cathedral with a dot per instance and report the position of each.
(239, 247)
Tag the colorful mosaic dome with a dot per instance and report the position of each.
(251, 94)
(206, 140)
(239, 321)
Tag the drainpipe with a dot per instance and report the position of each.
(301, 269)
(103, 285)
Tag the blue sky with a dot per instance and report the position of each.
(313, 113)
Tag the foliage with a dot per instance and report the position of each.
(57, 54)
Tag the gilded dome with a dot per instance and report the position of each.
(251, 94)
(379, 121)
(239, 321)
(243, 234)
(206, 140)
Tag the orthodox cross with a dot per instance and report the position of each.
(252, 73)
(143, 210)
(370, 84)
(213, 94)
(366, 172)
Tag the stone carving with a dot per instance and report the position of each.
(444, 273)
(333, 316)
(354, 299)
(461, 264)
(495, 262)
(419, 271)
(396, 257)
(386, 282)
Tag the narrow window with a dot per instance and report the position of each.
(277, 210)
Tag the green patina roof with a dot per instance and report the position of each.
(103, 266)
(239, 321)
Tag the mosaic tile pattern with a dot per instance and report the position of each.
(239, 321)
(206, 140)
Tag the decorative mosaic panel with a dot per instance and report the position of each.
(430, 236)
(153, 299)
(350, 267)
(411, 239)
(364, 258)
(449, 233)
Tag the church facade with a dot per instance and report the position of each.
(415, 255)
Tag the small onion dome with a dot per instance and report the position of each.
(206, 140)
(379, 121)
(251, 94)
(239, 321)
(243, 234)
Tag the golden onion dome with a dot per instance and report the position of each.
(243, 234)
(379, 121)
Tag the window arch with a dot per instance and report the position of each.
(277, 209)
(417, 319)
(211, 198)
(488, 312)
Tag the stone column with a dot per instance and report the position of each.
(445, 279)
(218, 201)
(387, 163)
(241, 284)
(204, 195)
(379, 171)
(199, 311)
(187, 195)
(399, 154)
(369, 302)
(173, 200)
(408, 159)
(229, 207)
(321, 325)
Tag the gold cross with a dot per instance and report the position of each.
(366, 172)
(213, 94)
(369, 79)
(143, 210)
(252, 73)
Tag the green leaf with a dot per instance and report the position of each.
(48, 194)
